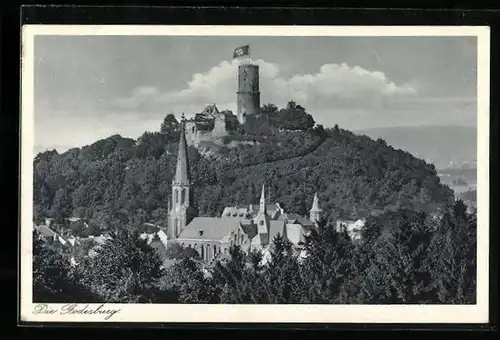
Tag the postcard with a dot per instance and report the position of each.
(255, 174)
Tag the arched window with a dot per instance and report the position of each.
(183, 196)
(202, 250)
(193, 129)
(261, 222)
(235, 239)
(176, 230)
(241, 239)
(176, 194)
(208, 252)
(215, 249)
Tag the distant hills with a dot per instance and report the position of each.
(444, 146)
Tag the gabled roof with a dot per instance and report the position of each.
(270, 208)
(45, 231)
(213, 228)
(275, 228)
(294, 233)
(295, 218)
(249, 229)
(235, 212)
(261, 240)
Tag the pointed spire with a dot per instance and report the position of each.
(314, 213)
(315, 206)
(182, 169)
(263, 199)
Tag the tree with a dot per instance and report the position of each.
(54, 281)
(452, 259)
(282, 280)
(240, 278)
(61, 206)
(293, 117)
(396, 268)
(169, 124)
(232, 123)
(269, 109)
(327, 265)
(187, 279)
(178, 252)
(125, 269)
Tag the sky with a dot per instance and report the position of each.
(90, 87)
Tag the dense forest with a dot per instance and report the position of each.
(119, 181)
(422, 259)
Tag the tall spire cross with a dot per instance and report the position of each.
(182, 167)
(263, 199)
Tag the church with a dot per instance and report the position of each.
(252, 226)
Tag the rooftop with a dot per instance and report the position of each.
(45, 231)
(209, 228)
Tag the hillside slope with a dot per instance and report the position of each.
(444, 146)
(119, 181)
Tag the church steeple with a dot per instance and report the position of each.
(262, 208)
(182, 168)
(262, 219)
(181, 191)
(314, 213)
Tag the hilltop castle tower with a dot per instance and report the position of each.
(181, 190)
(248, 91)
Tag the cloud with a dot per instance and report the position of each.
(333, 86)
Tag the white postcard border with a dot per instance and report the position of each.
(186, 313)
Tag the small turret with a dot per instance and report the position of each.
(315, 212)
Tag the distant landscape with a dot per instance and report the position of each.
(452, 149)
(444, 146)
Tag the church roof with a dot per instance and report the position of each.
(213, 228)
(270, 208)
(260, 239)
(295, 218)
(294, 233)
(275, 227)
(182, 169)
(249, 229)
(235, 211)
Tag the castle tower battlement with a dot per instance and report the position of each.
(248, 95)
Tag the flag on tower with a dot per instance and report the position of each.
(241, 51)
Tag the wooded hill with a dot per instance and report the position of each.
(120, 181)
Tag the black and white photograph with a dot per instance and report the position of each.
(265, 174)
